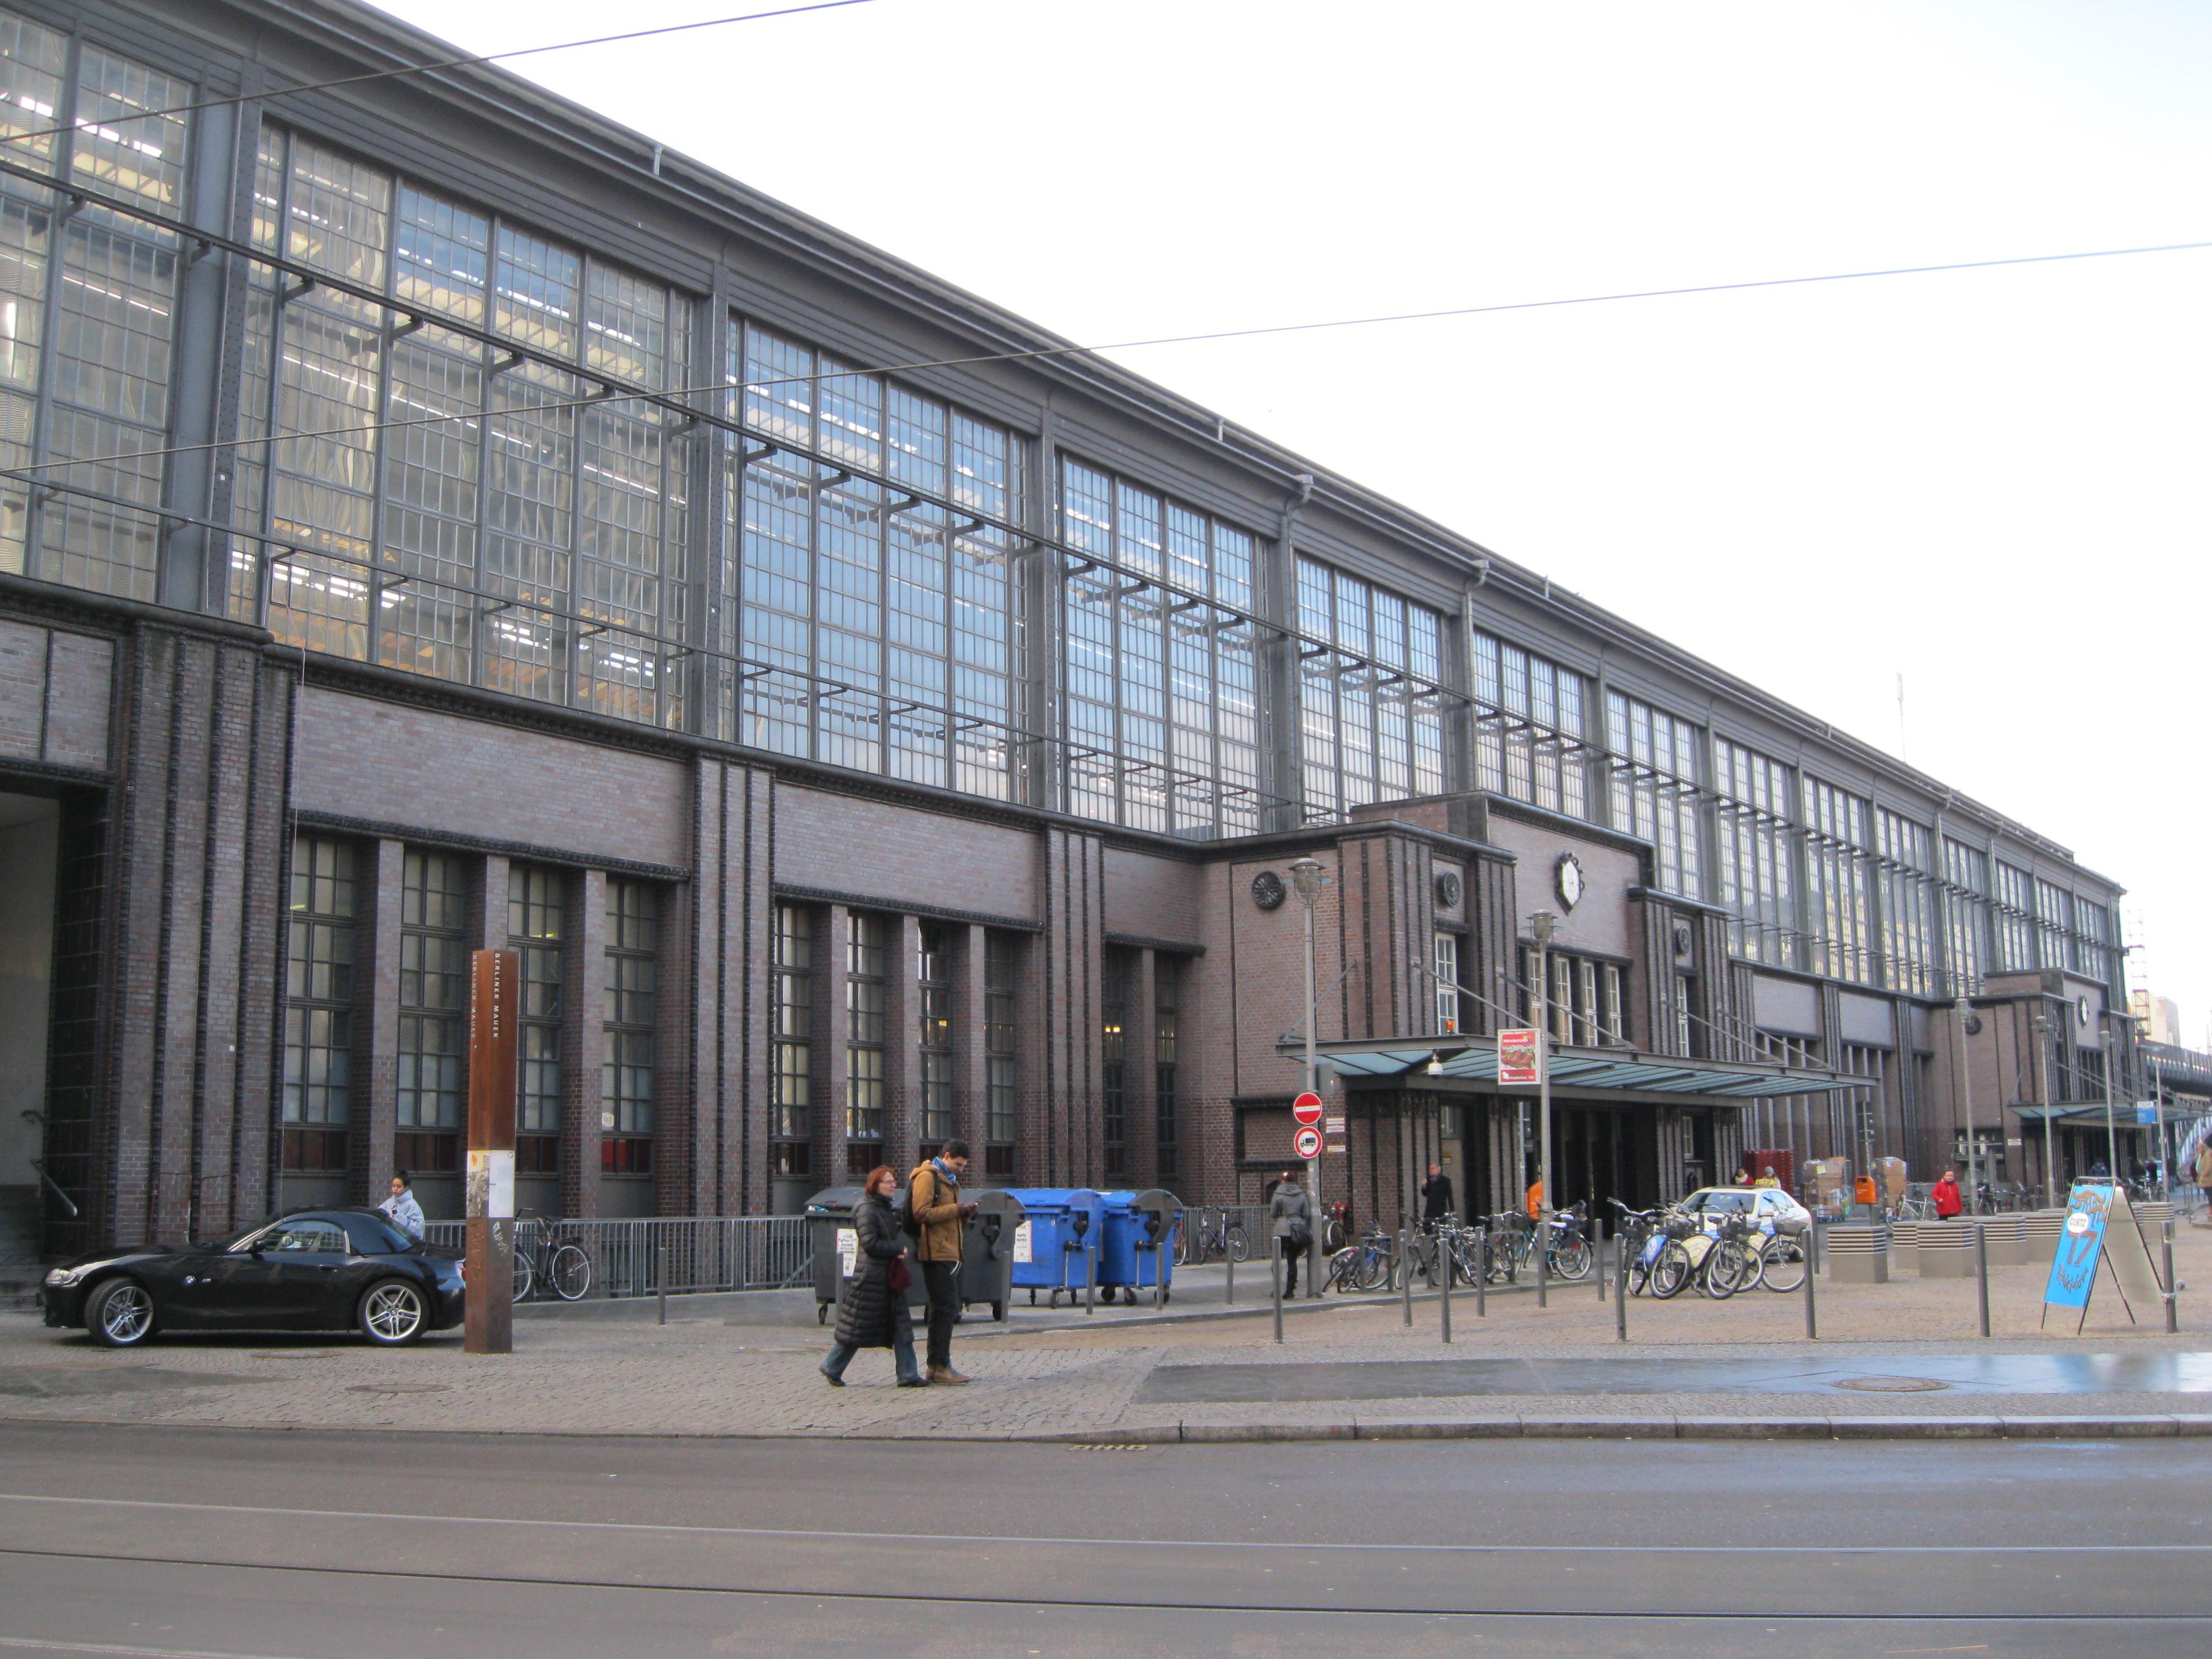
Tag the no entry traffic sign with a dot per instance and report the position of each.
(1306, 1109)
(1309, 1143)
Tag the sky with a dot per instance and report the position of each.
(1991, 483)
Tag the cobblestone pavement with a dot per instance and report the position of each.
(726, 1374)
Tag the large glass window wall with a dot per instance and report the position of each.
(1907, 886)
(1373, 722)
(87, 310)
(1754, 850)
(438, 503)
(2015, 915)
(1163, 716)
(1529, 727)
(1966, 915)
(877, 629)
(1839, 883)
(1654, 787)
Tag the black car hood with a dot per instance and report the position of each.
(123, 1253)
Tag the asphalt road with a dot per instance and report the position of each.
(166, 1542)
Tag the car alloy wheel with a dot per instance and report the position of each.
(391, 1313)
(122, 1314)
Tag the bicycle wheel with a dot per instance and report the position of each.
(1784, 1266)
(1237, 1248)
(1374, 1269)
(1572, 1260)
(1754, 1273)
(526, 1278)
(1723, 1263)
(1671, 1271)
(569, 1270)
(1331, 1236)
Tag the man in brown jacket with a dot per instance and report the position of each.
(933, 1197)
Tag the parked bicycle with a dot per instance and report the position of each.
(554, 1257)
(1369, 1266)
(1219, 1239)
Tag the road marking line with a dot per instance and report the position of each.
(128, 1652)
(1121, 1543)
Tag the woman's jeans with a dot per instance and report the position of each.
(840, 1355)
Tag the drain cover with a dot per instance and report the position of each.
(399, 1387)
(1892, 1384)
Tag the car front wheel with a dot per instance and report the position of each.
(120, 1315)
(392, 1313)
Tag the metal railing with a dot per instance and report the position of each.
(704, 1253)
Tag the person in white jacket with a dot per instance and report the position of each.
(401, 1209)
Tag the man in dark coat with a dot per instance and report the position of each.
(872, 1312)
(1436, 1195)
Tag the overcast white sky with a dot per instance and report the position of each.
(1993, 482)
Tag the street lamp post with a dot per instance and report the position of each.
(2111, 1122)
(1542, 926)
(1306, 877)
(1966, 1095)
(2041, 1026)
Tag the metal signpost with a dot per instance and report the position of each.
(488, 1324)
(1306, 878)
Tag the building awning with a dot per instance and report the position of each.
(1474, 1059)
(2124, 1114)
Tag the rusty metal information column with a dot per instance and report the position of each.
(494, 978)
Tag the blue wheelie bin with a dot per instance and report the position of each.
(1056, 1247)
(1138, 1253)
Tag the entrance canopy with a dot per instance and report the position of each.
(1618, 1070)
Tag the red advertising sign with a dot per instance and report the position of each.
(1306, 1109)
(1518, 1058)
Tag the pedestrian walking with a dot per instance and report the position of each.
(400, 1209)
(872, 1312)
(1948, 1202)
(1436, 1195)
(2204, 1169)
(937, 1218)
(1291, 1211)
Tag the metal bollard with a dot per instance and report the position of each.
(1481, 1270)
(1982, 1270)
(1597, 1249)
(1443, 1283)
(2173, 1290)
(660, 1279)
(1406, 1273)
(1543, 1252)
(1275, 1256)
(1229, 1257)
(1812, 1273)
(1620, 1292)
(1090, 1282)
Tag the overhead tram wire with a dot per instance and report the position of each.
(439, 63)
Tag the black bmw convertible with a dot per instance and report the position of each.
(313, 1270)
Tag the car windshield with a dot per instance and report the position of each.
(1717, 1200)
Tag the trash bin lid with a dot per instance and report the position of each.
(834, 1201)
(999, 1201)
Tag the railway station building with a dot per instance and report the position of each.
(433, 517)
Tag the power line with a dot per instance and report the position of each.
(443, 63)
(667, 398)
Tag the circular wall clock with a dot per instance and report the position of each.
(1448, 888)
(1567, 880)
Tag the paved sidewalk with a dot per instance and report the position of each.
(1898, 1358)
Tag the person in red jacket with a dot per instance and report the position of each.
(1947, 1203)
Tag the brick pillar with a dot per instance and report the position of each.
(727, 924)
(583, 1042)
(970, 1070)
(903, 1041)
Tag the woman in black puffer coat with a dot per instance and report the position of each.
(874, 1315)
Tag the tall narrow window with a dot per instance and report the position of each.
(319, 1005)
(433, 1000)
(626, 1091)
(1966, 915)
(533, 933)
(1529, 728)
(791, 1123)
(1447, 961)
(1167, 1002)
(1000, 1120)
(2015, 919)
(864, 1001)
(1562, 999)
(1113, 1044)
(935, 984)
(1752, 818)
(1907, 882)
(1685, 1039)
(1373, 721)
(1839, 883)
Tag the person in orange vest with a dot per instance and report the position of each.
(1535, 1200)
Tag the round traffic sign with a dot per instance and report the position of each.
(1306, 1109)
(1309, 1143)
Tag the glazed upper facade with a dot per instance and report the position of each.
(454, 379)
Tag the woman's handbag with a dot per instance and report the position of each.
(898, 1278)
